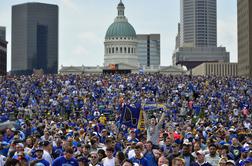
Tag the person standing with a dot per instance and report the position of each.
(109, 160)
(153, 128)
(39, 158)
(212, 157)
(139, 158)
(67, 159)
(200, 156)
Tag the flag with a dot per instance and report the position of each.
(130, 115)
(141, 125)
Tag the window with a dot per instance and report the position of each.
(121, 49)
(113, 50)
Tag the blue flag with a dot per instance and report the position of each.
(130, 115)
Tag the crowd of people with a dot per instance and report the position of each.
(75, 120)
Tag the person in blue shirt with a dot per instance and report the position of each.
(8, 136)
(67, 159)
(39, 158)
(149, 155)
(138, 158)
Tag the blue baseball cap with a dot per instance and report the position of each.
(245, 149)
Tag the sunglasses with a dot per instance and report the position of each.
(94, 157)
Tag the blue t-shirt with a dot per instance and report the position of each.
(62, 161)
(42, 162)
(143, 161)
(150, 158)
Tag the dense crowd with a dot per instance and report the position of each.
(73, 120)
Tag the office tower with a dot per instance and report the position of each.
(244, 10)
(148, 49)
(198, 34)
(34, 38)
(177, 45)
(198, 23)
(2, 33)
(3, 51)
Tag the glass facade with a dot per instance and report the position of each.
(198, 23)
(42, 45)
(34, 38)
(148, 49)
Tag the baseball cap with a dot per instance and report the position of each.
(201, 152)
(231, 161)
(187, 142)
(245, 149)
(39, 149)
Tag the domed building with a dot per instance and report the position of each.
(120, 41)
(120, 52)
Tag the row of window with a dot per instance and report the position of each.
(126, 50)
(121, 38)
(221, 69)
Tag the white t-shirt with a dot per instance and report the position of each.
(131, 153)
(47, 157)
(2, 160)
(109, 162)
(212, 160)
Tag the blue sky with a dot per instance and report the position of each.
(83, 24)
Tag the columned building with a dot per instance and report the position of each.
(216, 69)
(120, 41)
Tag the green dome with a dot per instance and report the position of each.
(120, 29)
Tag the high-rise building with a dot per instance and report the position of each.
(244, 10)
(177, 45)
(148, 49)
(198, 23)
(3, 51)
(34, 38)
(198, 32)
(2, 33)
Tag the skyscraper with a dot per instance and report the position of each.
(2, 33)
(148, 49)
(244, 10)
(198, 23)
(3, 51)
(198, 34)
(34, 38)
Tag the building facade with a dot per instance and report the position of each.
(120, 41)
(216, 69)
(148, 49)
(192, 57)
(244, 10)
(168, 70)
(3, 51)
(198, 23)
(2, 33)
(198, 29)
(34, 38)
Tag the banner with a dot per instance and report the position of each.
(141, 125)
(130, 116)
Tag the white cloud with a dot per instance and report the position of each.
(227, 36)
(69, 4)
